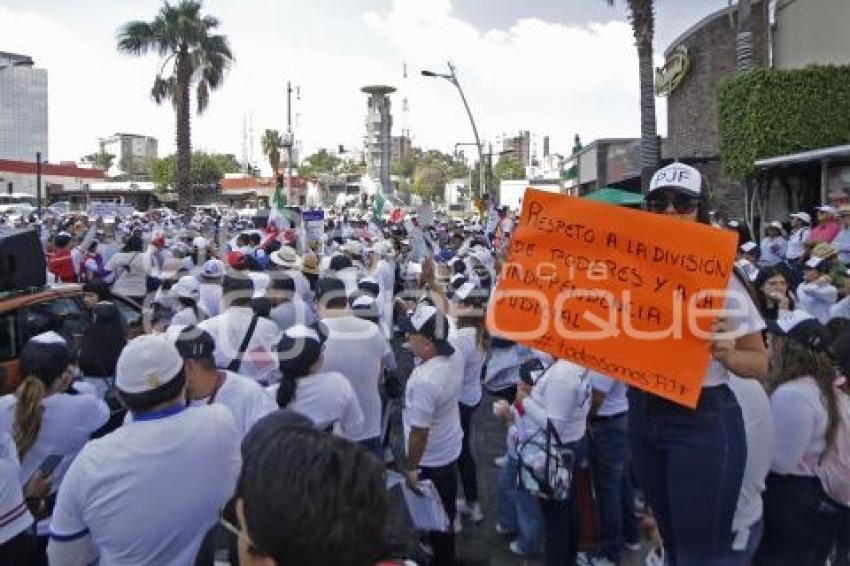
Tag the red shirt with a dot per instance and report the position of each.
(61, 265)
(825, 232)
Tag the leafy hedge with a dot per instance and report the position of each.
(767, 113)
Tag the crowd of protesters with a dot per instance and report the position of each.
(249, 424)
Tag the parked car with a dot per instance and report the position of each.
(26, 313)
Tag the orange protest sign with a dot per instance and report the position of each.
(624, 292)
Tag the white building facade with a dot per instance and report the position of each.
(133, 153)
(23, 108)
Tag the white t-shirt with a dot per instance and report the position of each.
(302, 285)
(228, 330)
(772, 250)
(129, 267)
(14, 515)
(465, 343)
(147, 493)
(430, 401)
(184, 317)
(743, 317)
(615, 401)
(327, 399)
(817, 299)
(290, 313)
(247, 400)
(209, 298)
(800, 419)
(796, 241)
(67, 422)
(758, 427)
(561, 395)
(356, 349)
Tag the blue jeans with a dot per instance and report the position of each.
(609, 441)
(519, 511)
(690, 464)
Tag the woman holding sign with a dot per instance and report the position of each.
(690, 463)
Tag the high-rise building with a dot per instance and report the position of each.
(518, 148)
(400, 147)
(23, 108)
(378, 140)
(133, 153)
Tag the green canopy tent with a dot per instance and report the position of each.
(613, 195)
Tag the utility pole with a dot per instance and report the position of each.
(38, 183)
(288, 142)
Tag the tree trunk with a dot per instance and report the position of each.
(184, 135)
(650, 153)
(744, 38)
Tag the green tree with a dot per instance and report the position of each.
(429, 181)
(193, 57)
(320, 163)
(508, 169)
(272, 142)
(642, 18)
(101, 160)
(207, 170)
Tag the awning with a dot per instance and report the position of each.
(835, 152)
(613, 195)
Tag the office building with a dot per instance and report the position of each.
(133, 154)
(23, 108)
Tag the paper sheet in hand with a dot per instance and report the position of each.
(426, 510)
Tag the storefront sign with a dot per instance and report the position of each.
(675, 69)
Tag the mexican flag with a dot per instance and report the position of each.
(379, 203)
(279, 213)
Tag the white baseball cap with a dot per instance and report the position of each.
(804, 216)
(213, 268)
(186, 287)
(749, 246)
(147, 363)
(677, 176)
(829, 209)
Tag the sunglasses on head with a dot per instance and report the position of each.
(682, 203)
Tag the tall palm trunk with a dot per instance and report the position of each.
(184, 136)
(643, 24)
(744, 38)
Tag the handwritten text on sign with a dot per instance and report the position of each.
(627, 293)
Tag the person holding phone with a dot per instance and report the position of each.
(49, 425)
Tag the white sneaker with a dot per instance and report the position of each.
(475, 512)
(500, 461)
(503, 531)
(515, 549)
(458, 524)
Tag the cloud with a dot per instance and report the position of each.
(550, 78)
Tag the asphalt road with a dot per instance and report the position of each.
(480, 544)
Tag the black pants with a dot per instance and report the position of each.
(445, 481)
(19, 550)
(800, 522)
(466, 461)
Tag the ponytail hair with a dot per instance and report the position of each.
(42, 363)
(28, 413)
(286, 390)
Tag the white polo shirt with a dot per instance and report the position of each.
(228, 330)
(431, 401)
(357, 349)
(327, 399)
(247, 400)
(14, 515)
(147, 493)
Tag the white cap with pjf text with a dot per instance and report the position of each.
(146, 363)
(677, 176)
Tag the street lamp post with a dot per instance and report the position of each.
(452, 78)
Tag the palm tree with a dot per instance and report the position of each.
(193, 57)
(272, 142)
(642, 18)
(744, 37)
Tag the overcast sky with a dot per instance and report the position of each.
(555, 67)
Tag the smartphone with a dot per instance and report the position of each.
(49, 464)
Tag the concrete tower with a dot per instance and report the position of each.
(377, 143)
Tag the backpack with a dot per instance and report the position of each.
(833, 470)
(546, 465)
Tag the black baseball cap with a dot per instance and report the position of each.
(195, 343)
(431, 324)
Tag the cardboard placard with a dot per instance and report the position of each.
(627, 293)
